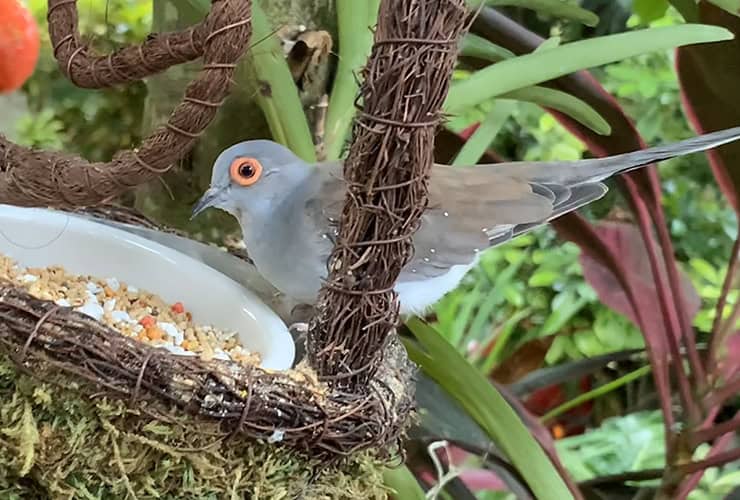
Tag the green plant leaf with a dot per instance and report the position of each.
(688, 9)
(598, 392)
(403, 483)
(476, 146)
(556, 8)
(543, 277)
(538, 67)
(650, 10)
(488, 408)
(356, 20)
(480, 48)
(278, 95)
(563, 102)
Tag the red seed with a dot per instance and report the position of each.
(147, 321)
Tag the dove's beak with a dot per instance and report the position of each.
(209, 199)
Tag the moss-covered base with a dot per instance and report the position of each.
(55, 443)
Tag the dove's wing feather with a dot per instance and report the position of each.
(466, 207)
(473, 207)
(451, 230)
(500, 201)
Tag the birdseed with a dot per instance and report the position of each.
(134, 313)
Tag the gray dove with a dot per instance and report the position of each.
(288, 210)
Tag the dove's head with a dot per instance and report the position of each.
(251, 177)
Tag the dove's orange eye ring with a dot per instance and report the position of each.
(245, 171)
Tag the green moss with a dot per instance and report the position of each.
(57, 443)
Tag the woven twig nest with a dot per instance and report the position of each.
(57, 363)
(62, 440)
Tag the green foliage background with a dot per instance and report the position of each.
(530, 288)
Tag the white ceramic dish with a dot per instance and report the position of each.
(39, 238)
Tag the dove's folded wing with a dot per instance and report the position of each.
(500, 201)
(474, 207)
(468, 207)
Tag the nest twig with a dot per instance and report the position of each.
(30, 177)
(290, 408)
(405, 84)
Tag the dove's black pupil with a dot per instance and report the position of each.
(246, 170)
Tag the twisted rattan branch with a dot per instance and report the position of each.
(289, 408)
(30, 177)
(85, 69)
(405, 84)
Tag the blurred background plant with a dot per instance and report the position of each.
(534, 325)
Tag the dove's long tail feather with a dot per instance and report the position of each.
(598, 169)
(571, 185)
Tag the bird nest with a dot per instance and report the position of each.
(63, 438)
(56, 363)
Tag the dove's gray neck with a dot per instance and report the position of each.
(281, 239)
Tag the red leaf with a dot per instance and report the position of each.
(482, 479)
(625, 241)
(710, 77)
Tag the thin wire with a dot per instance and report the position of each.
(47, 244)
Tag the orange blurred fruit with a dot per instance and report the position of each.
(20, 43)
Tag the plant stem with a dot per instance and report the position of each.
(278, 95)
(672, 329)
(355, 44)
(714, 461)
(719, 396)
(595, 393)
(637, 475)
(715, 431)
(679, 300)
(687, 485)
(716, 341)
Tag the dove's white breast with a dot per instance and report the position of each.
(418, 296)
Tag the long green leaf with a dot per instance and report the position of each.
(403, 483)
(488, 408)
(480, 48)
(557, 8)
(598, 392)
(538, 67)
(565, 103)
(278, 95)
(355, 43)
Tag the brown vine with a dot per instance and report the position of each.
(289, 408)
(31, 177)
(405, 84)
